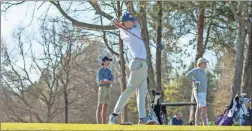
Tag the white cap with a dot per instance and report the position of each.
(202, 60)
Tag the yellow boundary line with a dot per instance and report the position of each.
(79, 127)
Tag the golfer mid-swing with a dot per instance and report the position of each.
(138, 69)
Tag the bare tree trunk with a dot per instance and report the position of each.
(151, 76)
(66, 105)
(200, 49)
(124, 115)
(250, 60)
(236, 85)
(130, 7)
(246, 83)
(200, 27)
(158, 52)
(1, 59)
(66, 82)
(66, 59)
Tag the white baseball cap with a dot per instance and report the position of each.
(202, 60)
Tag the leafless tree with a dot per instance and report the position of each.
(29, 100)
(25, 99)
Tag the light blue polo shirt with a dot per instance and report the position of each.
(104, 73)
(198, 74)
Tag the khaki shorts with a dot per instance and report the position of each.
(104, 95)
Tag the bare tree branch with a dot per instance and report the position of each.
(9, 5)
(106, 41)
(82, 24)
(99, 11)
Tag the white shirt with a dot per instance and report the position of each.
(135, 45)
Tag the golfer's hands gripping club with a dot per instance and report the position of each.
(196, 82)
(116, 23)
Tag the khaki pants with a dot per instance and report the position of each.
(137, 83)
(104, 94)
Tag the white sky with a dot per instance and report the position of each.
(22, 15)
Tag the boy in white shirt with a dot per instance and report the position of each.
(138, 68)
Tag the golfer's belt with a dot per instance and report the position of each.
(106, 85)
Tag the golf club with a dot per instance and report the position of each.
(198, 111)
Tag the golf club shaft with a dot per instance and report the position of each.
(197, 86)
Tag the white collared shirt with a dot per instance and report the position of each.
(135, 45)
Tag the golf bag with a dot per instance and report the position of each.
(158, 109)
(236, 109)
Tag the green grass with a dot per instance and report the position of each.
(82, 127)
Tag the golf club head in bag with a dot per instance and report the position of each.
(235, 111)
(152, 114)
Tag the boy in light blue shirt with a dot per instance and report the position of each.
(104, 79)
(199, 79)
